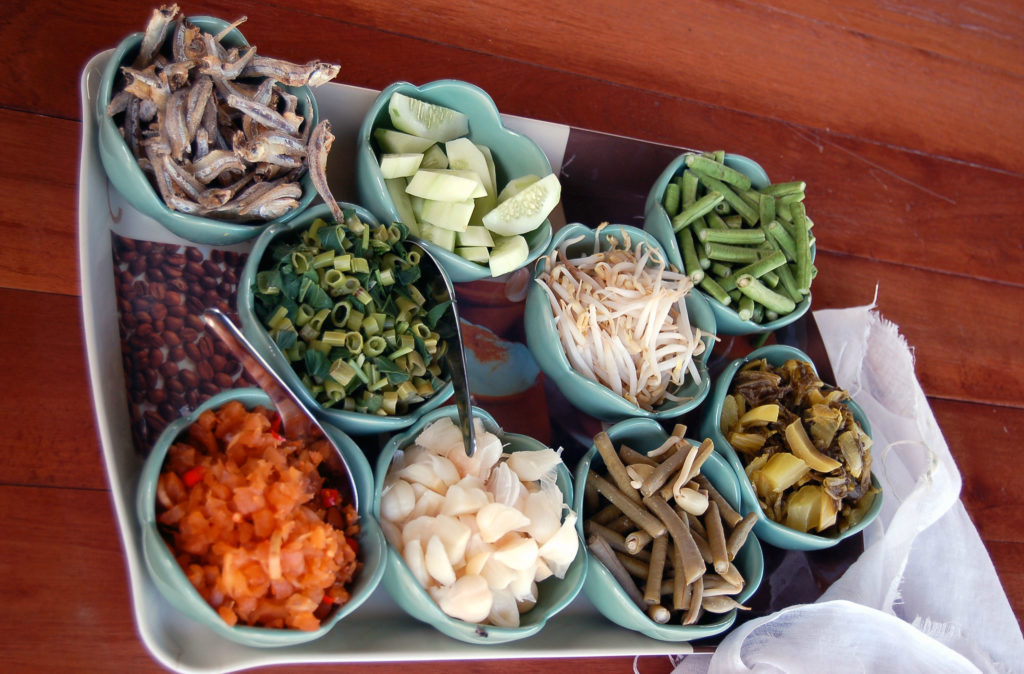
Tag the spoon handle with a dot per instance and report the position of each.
(450, 331)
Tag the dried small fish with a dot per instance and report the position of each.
(313, 73)
(156, 32)
(212, 125)
(319, 145)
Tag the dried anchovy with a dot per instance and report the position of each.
(212, 144)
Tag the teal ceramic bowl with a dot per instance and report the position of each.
(171, 581)
(127, 178)
(657, 222)
(354, 423)
(604, 591)
(585, 394)
(554, 594)
(766, 528)
(514, 154)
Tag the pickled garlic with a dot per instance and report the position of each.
(478, 532)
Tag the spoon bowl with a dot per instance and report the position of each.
(297, 423)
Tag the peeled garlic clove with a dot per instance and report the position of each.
(475, 563)
(522, 586)
(423, 473)
(527, 604)
(504, 611)
(414, 559)
(445, 470)
(455, 536)
(419, 529)
(469, 599)
(437, 563)
(560, 550)
(504, 485)
(442, 434)
(397, 501)
(429, 504)
(393, 533)
(543, 571)
(545, 516)
(497, 574)
(496, 519)
(462, 500)
(534, 465)
(518, 553)
(476, 544)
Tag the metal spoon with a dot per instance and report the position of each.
(448, 328)
(296, 421)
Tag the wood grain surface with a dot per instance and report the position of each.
(905, 119)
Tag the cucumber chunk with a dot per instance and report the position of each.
(399, 165)
(396, 142)
(396, 188)
(508, 254)
(453, 215)
(527, 210)
(444, 185)
(427, 120)
(438, 235)
(463, 154)
(434, 158)
(475, 235)
(516, 186)
(477, 254)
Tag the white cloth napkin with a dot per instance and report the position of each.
(923, 596)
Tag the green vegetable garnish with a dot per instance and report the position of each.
(341, 302)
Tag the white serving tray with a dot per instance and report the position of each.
(378, 631)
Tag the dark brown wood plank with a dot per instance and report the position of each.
(37, 222)
(49, 425)
(982, 33)
(964, 331)
(882, 90)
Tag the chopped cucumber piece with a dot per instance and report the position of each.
(508, 254)
(489, 158)
(444, 185)
(527, 210)
(399, 165)
(474, 253)
(516, 186)
(396, 188)
(453, 215)
(396, 142)
(463, 154)
(475, 235)
(428, 120)
(438, 236)
(417, 206)
(434, 158)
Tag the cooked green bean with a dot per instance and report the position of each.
(655, 570)
(630, 509)
(696, 210)
(763, 295)
(744, 226)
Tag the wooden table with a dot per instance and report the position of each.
(904, 119)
